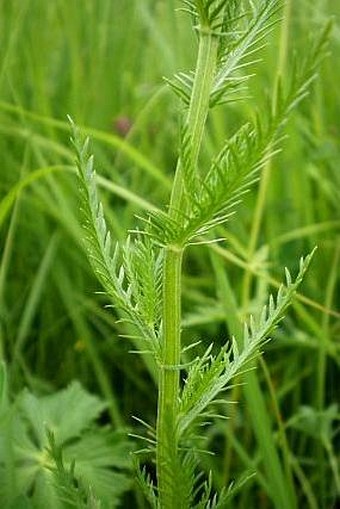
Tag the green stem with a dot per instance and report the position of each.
(168, 392)
(169, 377)
(198, 110)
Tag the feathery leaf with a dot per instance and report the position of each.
(209, 375)
(133, 285)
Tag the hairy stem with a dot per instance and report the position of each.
(168, 394)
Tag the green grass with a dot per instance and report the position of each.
(104, 61)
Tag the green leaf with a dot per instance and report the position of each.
(120, 270)
(146, 485)
(213, 199)
(67, 413)
(91, 478)
(314, 423)
(101, 456)
(241, 30)
(209, 375)
(243, 37)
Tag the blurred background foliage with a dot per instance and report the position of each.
(102, 62)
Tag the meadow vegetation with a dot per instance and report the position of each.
(105, 396)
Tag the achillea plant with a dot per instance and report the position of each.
(143, 277)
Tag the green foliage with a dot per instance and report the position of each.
(146, 485)
(209, 375)
(103, 64)
(71, 491)
(211, 200)
(132, 288)
(147, 286)
(241, 26)
(319, 425)
(51, 450)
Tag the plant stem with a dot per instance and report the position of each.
(198, 110)
(168, 395)
(169, 374)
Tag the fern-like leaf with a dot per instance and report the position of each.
(133, 286)
(71, 490)
(241, 33)
(210, 375)
(146, 485)
(239, 45)
(180, 486)
(207, 14)
(212, 200)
